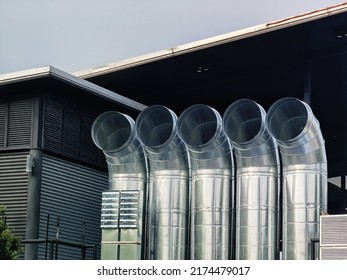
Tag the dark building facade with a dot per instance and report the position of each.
(52, 174)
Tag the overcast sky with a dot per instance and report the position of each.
(74, 35)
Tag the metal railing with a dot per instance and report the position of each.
(52, 245)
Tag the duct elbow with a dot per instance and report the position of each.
(114, 133)
(200, 127)
(156, 128)
(245, 126)
(297, 132)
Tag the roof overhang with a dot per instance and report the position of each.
(212, 41)
(66, 78)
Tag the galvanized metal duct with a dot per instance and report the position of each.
(212, 183)
(257, 181)
(123, 206)
(304, 172)
(168, 189)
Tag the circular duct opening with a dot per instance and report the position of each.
(155, 126)
(197, 125)
(287, 118)
(242, 121)
(111, 131)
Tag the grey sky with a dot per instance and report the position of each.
(78, 34)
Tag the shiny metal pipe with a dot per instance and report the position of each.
(123, 205)
(257, 181)
(304, 173)
(168, 189)
(212, 183)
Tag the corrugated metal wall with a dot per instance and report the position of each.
(14, 189)
(72, 192)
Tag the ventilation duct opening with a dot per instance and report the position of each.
(168, 189)
(212, 183)
(304, 173)
(123, 206)
(257, 181)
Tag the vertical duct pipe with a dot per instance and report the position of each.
(304, 173)
(123, 205)
(168, 189)
(212, 183)
(257, 181)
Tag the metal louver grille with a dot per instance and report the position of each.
(334, 230)
(20, 123)
(89, 151)
(119, 209)
(72, 132)
(330, 253)
(53, 125)
(14, 190)
(2, 125)
(333, 237)
(67, 130)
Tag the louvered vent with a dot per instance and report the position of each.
(89, 152)
(53, 131)
(334, 253)
(334, 230)
(333, 237)
(20, 123)
(67, 131)
(2, 125)
(72, 132)
(119, 209)
(14, 190)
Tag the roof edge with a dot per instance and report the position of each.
(25, 75)
(49, 71)
(212, 41)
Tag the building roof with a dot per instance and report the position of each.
(213, 41)
(49, 72)
(276, 55)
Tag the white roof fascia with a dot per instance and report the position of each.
(49, 71)
(24, 75)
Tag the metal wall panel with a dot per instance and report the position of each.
(73, 193)
(14, 190)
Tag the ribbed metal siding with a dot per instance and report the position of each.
(72, 192)
(14, 190)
